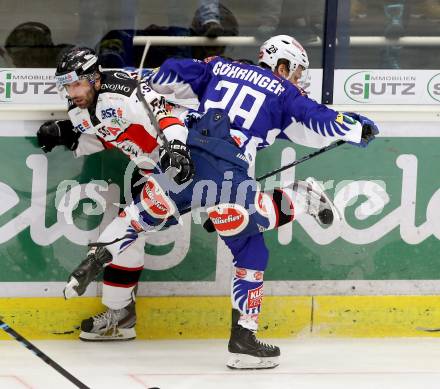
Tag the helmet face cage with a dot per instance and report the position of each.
(283, 47)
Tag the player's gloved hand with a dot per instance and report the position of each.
(181, 161)
(369, 129)
(55, 133)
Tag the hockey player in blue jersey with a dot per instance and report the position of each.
(261, 106)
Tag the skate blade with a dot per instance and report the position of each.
(69, 290)
(321, 190)
(121, 334)
(243, 361)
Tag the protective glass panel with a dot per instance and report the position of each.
(388, 34)
(32, 34)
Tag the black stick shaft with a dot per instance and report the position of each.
(150, 113)
(305, 158)
(41, 355)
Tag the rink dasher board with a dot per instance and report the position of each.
(208, 317)
(47, 245)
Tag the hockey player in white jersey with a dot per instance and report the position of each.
(105, 112)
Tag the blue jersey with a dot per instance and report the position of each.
(260, 105)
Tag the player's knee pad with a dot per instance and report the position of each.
(247, 290)
(154, 204)
(229, 219)
(269, 210)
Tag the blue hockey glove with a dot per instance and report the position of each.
(369, 129)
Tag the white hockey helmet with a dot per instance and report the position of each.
(283, 47)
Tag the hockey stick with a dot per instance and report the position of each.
(41, 355)
(208, 224)
(301, 160)
(150, 113)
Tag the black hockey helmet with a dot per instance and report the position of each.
(75, 64)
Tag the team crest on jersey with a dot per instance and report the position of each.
(228, 219)
(155, 201)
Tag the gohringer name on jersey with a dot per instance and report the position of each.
(253, 76)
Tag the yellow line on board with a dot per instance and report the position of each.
(376, 316)
(209, 317)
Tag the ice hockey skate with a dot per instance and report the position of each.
(246, 351)
(111, 325)
(311, 198)
(86, 272)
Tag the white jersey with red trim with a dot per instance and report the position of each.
(119, 119)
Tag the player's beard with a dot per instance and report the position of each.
(87, 100)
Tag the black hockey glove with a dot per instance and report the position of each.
(181, 161)
(55, 133)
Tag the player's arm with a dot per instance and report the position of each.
(175, 133)
(62, 133)
(185, 78)
(327, 123)
(169, 123)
